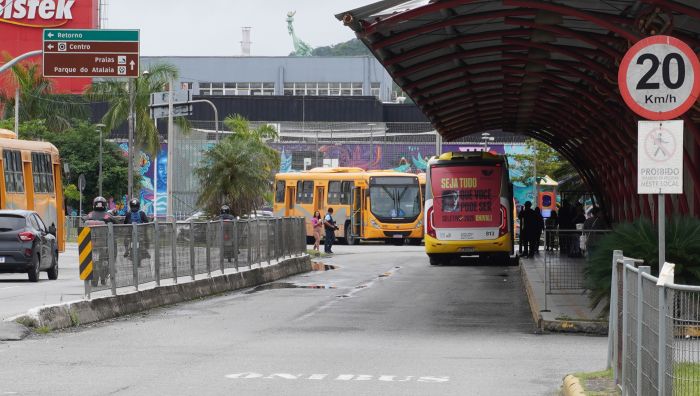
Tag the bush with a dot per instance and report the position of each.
(639, 240)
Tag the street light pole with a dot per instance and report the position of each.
(99, 177)
(17, 112)
(132, 120)
(371, 144)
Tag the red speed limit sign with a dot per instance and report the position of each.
(659, 78)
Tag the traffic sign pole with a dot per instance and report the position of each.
(659, 79)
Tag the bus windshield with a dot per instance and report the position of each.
(397, 199)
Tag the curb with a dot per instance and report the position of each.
(559, 326)
(532, 300)
(70, 314)
(572, 386)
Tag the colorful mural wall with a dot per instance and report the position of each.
(154, 175)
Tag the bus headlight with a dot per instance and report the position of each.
(374, 224)
(419, 224)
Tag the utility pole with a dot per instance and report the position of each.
(171, 154)
(17, 112)
(99, 177)
(132, 120)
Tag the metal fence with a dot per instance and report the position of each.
(129, 255)
(565, 258)
(654, 331)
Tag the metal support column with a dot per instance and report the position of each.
(111, 255)
(192, 266)
(156, 250)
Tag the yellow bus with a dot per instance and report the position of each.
(32, 180)
(367, 205)
(468, 207)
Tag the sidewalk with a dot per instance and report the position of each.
(562, 311)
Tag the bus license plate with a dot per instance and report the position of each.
(2, 259)
(466, 250)
(398, 236)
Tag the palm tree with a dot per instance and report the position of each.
(238, 170)
(37, 101)
(116, 93)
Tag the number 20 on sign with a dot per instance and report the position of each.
(659, 78)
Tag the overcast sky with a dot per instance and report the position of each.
(213, 27)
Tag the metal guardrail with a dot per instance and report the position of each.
(654, 331)
(129, 255)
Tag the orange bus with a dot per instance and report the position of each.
(368, 205)
(32, 180)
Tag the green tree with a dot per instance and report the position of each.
(352, 47)
(546, 159)
(240, 169)
(116, 92)
(37, 101)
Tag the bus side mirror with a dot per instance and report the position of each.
(52, 229)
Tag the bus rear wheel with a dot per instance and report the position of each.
(435, 259)
(349, 238)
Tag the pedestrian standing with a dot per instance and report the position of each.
(537, 232)
(316, 226)
(527, 227)
(551, 225)
(330, 227)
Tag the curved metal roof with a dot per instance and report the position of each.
(545, 69)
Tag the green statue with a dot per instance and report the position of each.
(300, 47)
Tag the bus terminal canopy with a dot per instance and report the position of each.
(544, 69)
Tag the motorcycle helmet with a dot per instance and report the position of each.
(99, 204)
(134, 205)
(225, 209)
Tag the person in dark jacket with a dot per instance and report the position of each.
(536, 233)
(136, 216)
(527, 227)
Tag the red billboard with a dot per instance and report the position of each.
(466, 196)
(21, 28)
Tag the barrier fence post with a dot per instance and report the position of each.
(625, 322)
(612, 317)
(259, 239)
(640, 316)
(207, 236)
(249, 251)
(192, 266)
(662, 339)
(173, 251)
(156, 250)
(111, 254)
(222, 249)
(269, 241)
(235, 243)
(135, 259)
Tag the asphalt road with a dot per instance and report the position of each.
(383, 323)
(17, 294)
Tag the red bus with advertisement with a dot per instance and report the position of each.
(468, 207)
(21, 28)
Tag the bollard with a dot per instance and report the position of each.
(173, 251)
(111, 254)
(135, 254)
(192, 266)
(156, 250)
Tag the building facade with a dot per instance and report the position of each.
(284, 75)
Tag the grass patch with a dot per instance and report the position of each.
(42, 330)
(598, 383)
(686, 378)
(26, 321)
(74, 319)
(314, 253)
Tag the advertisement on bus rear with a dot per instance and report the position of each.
(466, 196)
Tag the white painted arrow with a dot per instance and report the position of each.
(132, 64)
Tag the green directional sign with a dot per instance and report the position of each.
(91, 53)
(91, 35)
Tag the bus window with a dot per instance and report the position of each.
(42, 173)
(334, 194)
(305, 192)
(394, 197)
(320, 199)
(14, 179)
(279, 191)
(346, 192)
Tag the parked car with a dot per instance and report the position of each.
(183, 230)
(27, 245)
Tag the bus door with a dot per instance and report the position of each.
(289, 201)
(356, 215)
(320, 198)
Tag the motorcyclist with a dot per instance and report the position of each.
(225, 214)
(136, 216)
(99, 216)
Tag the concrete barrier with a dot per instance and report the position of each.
(75, 313)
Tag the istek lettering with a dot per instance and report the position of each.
(33, 9)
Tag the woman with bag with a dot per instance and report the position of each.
(317, 225)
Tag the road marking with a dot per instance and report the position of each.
(340, 377)
(9, 287)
